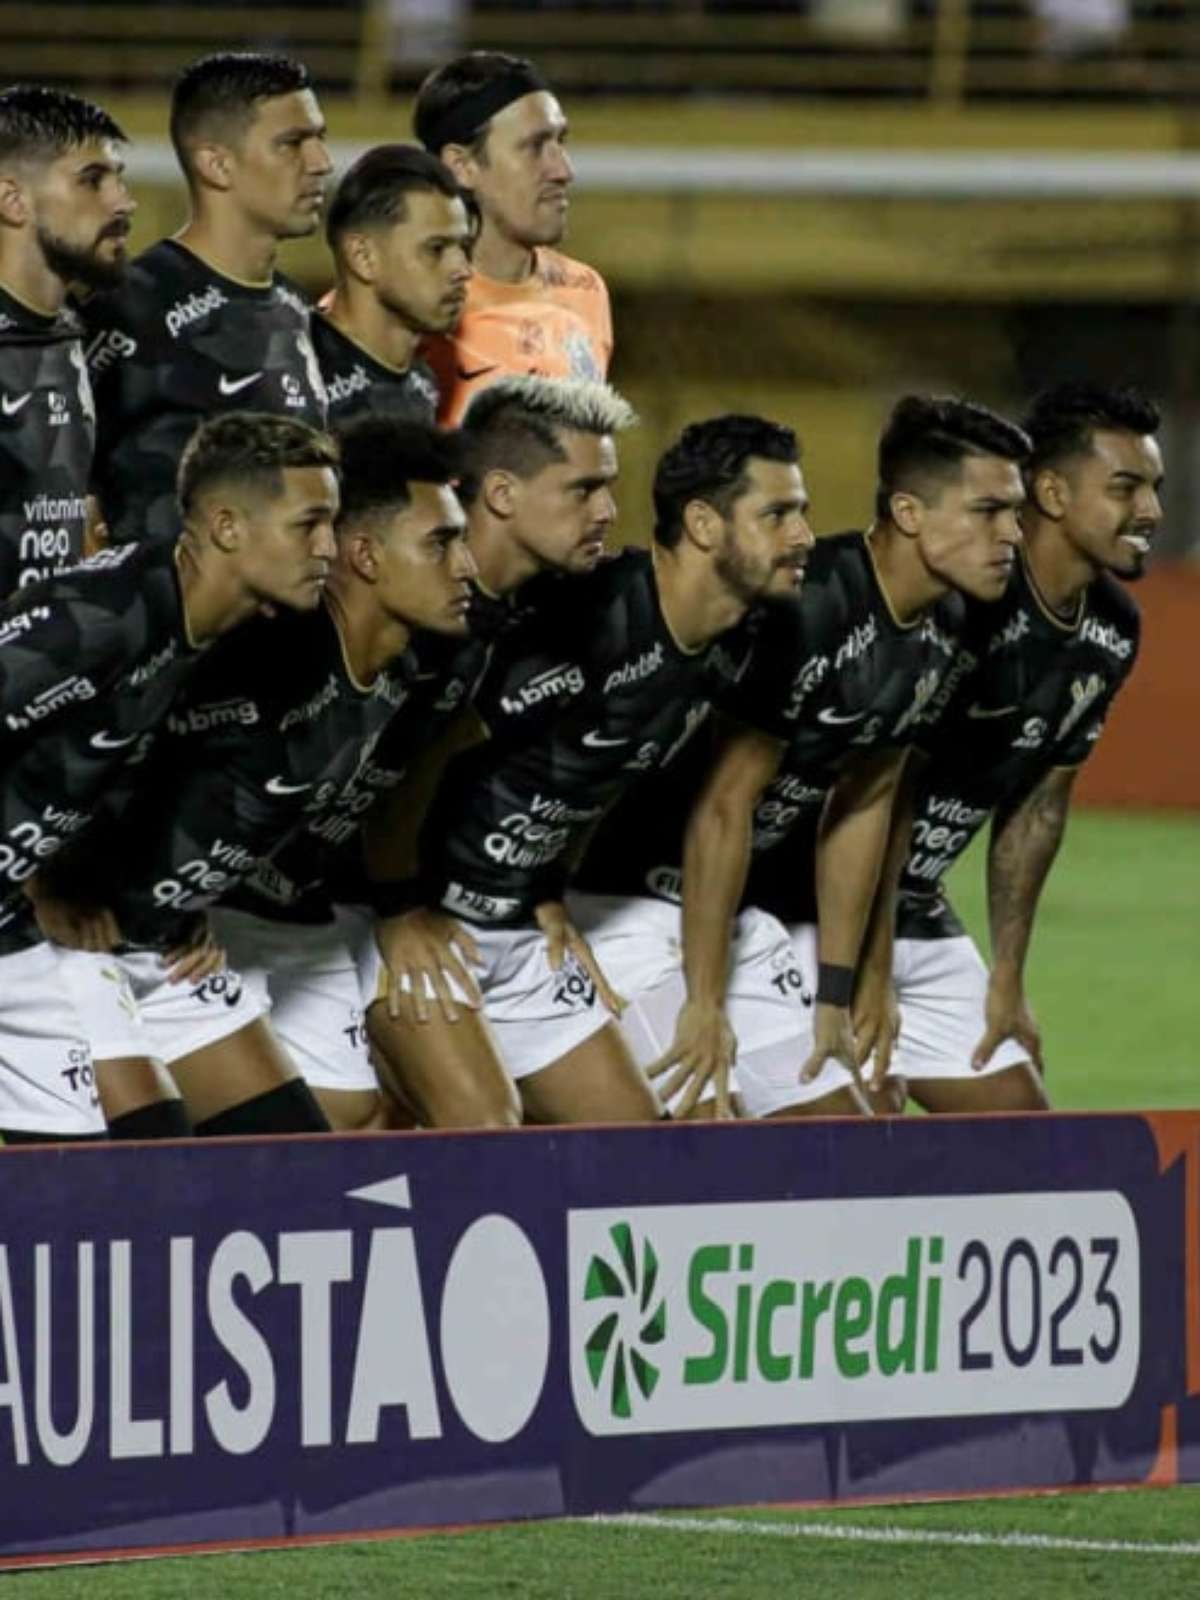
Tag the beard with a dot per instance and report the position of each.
(748, 581)
(76, 264)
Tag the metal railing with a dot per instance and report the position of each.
(946, 51)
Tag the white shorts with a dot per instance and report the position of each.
(129, 1009)
(942, 989)
(638, 943)
(311, 979)
(536, 1015)
(47, 1084)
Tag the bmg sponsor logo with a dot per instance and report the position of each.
(687, 1318)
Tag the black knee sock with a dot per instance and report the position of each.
(291, 1108)
(161, 1119)
(24, 1136)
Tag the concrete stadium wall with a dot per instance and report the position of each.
(262, 1341)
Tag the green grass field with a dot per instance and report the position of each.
(1114, 982)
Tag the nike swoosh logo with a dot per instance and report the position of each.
(105, 741)
(12, 404)
(834, 719)
(597, 741)
(475, 372)
(990, 711)
(278, 786)
(229, 385)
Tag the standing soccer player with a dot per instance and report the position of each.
(495, 122)
(1034, 680)
(64, 219)
(608, 679)
(401, 242)
(799, 798)
(203, 322)
(91, 661)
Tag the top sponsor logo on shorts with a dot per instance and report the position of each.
(549, 684)
(635, 671)
(1106, 637)
(193, 309)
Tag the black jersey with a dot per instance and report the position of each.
(270, 731)
(1029, 691)
(47, 435)
(90, 663)
(358, 384)
(321, 864)
(830, 677)
(179, 342)
(590, 693)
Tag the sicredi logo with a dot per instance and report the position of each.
(786, 1313)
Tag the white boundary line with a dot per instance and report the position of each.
(892, 1534)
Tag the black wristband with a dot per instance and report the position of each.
(835, 985)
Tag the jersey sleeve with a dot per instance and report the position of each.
(1083, 738)
(55, 653)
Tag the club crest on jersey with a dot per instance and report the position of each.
(59, 412)
(1033, 734)
(1083, 692)
(193, 309)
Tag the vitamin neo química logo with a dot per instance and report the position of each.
(781, 1313)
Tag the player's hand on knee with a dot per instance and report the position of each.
(1007, 1016)
(424, 951)
(875, 1018)
(702, 1052)
(562, 936)
(833, 1040)
(193, 963)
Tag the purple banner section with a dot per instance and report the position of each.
(257, 1340)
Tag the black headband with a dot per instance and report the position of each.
(462, 122)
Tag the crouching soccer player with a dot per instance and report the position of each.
(91, 661)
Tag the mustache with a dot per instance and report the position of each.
(119, 228)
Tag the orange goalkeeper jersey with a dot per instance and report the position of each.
(556, 324)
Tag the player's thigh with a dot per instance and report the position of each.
(596, 1081)
(352, 1110)
(129, 1083)
(449, 1072)
(848, 1101)
(1015, 1088)
(232, 1069)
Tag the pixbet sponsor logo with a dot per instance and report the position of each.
(193, 309)
(320, 1337)
(687, 1318)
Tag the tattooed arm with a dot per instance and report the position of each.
(1025, 840)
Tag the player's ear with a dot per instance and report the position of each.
(363, 554)
(14, 201)
(360, 256)
(224, 527)
(498, 491)
(906, 510)
(1049, 493)
(702, 524)
(212, 165)
(461, 162)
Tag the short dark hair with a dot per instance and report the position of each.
(382, 457)
(373, 193)
(42, 124)
(710, 461)
(1061, 421)
(517, 423)
(217, 96)
(447, 91)
(928, 437)
(249, 448)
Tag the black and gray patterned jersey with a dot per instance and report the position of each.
(831, 677)
(91, 661)
(321, 864)
(583, 699)
(1029, 691)
(359, 384)
(47, 437)
(271, 730)
(176, 344)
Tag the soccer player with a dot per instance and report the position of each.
(203, 322)
(401, 241)
(273, 726)
(602, 684)
(804, 779)
(64, 219)
(494, 121)
(91, 661)
(1034, 680)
